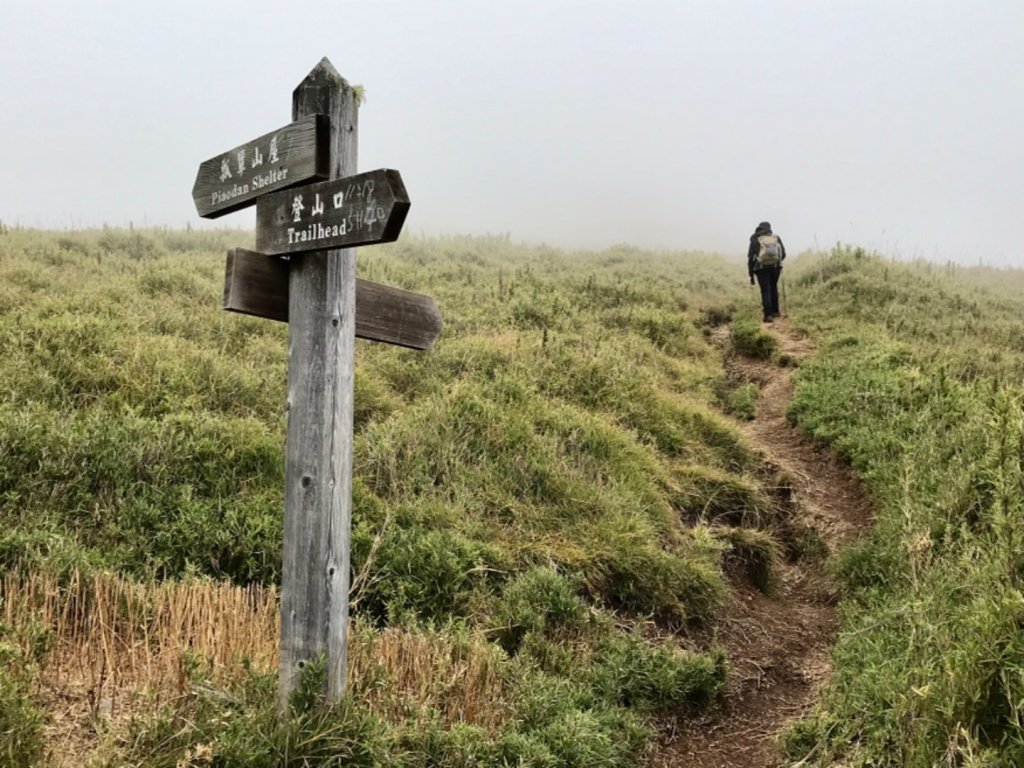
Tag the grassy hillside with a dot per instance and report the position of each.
(918, 383)
(546, 498)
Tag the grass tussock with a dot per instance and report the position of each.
(22, 718)
(752, 556)
(750, 339)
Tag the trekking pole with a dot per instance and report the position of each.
(782, 281)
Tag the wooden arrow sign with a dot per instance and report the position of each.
(284, 158)
(342, 213)
(257, 284)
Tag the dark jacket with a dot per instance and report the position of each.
(755, 248)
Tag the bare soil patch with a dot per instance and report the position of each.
(778, 644)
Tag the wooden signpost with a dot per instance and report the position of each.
(316, 291)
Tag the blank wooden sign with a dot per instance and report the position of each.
(257, 284)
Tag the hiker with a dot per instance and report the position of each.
(764, 260)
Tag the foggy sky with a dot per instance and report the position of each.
(581, 123)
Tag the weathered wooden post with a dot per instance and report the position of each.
(321, 374)
(316, 292)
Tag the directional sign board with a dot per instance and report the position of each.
(284, 158)
(257, 284)
(342, 213)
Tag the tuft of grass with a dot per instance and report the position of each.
(741, 401)
(239, 726)
(807, 544)
(660, 679)
(710, 495)
(750, 340)
(539, 601)
(653, 582)
(22, 718)
(753, 555)
(717, 315)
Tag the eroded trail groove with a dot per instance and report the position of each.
(778, 645)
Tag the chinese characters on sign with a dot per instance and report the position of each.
(255, 162)
(357, 210)
(360, 216)
(284, 158)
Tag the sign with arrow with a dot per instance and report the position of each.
(356, 210)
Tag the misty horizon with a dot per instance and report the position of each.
(580, 125)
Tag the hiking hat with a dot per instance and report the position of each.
(764, 225)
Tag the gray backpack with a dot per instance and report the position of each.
(770, 253)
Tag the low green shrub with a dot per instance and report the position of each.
(430, 575)
(717, 496)
(717, 315)
(632, 672)
(648, 581)
(239, 726)
(741, 401)
(541, 601)
(749, 339)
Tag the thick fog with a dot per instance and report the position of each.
(892, 125)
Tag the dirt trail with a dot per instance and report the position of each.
(778, 645)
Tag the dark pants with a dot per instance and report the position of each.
(768, 279)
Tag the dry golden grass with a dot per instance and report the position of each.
(120, 648)
(426, 672)
(111, 634)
